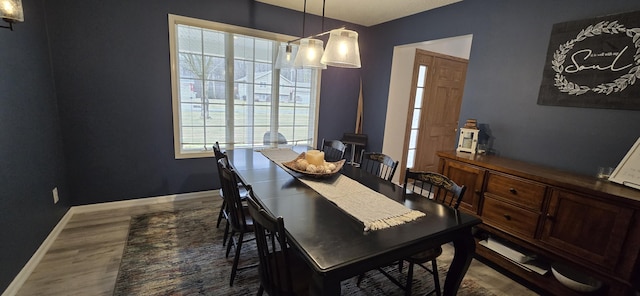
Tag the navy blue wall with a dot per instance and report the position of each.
(113, 110)
(31, 158)
(111, 63)
(510, 41)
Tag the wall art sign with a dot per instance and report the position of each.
(594, 63)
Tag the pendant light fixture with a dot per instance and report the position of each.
(342, 48)
(11, 12)
(311, 49)
(286, 56)
(309, 55)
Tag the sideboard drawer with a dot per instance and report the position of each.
(525, 193)
(509, 218)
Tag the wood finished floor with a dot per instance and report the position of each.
(84, 258)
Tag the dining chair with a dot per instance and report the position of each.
(239, 219)
(333, 150)
(438, 188)
(266, 139)
(281, 271)
(441, 189)
(243, 191)
(378, 164)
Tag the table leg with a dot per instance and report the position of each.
(465, 247)
(324, 286)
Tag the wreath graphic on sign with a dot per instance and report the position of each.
(620, 83)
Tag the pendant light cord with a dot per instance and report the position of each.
(304, 17)
(324, 2)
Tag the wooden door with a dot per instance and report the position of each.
(436, 96)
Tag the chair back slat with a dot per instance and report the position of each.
(434, 186)
(231, 195)
(333, 150)
(219, 155)
(378, 164)
(275, 274)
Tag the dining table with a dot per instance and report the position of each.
(333, 243)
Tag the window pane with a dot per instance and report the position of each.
(243, 71)
(243, 47)
(287, 132)
(422, 71)
(302, 135)
(213, 135)
(303, 96)
(415, 122)
(411, 156)
(190, 65)
(286, 115)
(244, 92)
(418, 102)
(302, 116)
(186, 90)
(264, 50)
(262, 115)
(413, 139)
(189, 39)
(213, 43)
(215, 115)
(216, 91)
(286, 93)
(193, 136)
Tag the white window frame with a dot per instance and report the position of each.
(175, 20)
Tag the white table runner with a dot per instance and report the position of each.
(373, 209)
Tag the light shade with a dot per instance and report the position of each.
(286, 56)
(342, 49)
(309, 54)
(11, 10)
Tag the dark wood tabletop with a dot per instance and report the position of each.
(334, 243)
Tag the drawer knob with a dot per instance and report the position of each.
(549, 216)
(507, 216)
(513, 190)
(477, 192)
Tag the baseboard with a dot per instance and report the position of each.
(141, 201)
(26, 271)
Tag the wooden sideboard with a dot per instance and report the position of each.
(580, 221)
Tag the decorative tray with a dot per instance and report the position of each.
(297, 165)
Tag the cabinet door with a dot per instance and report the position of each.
(469, 176)
(585, 227)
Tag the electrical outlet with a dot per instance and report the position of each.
(55, 195)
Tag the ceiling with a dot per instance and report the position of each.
(362, 12)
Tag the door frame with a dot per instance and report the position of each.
(422, 57)
(399, 84)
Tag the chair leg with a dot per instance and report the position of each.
(260, 290)
(229, 243)
(408, 286)
(221, 213)
(436, 278)
(226, 233)
(236, 259)
(400, 264)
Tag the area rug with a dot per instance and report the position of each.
(181, 253)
